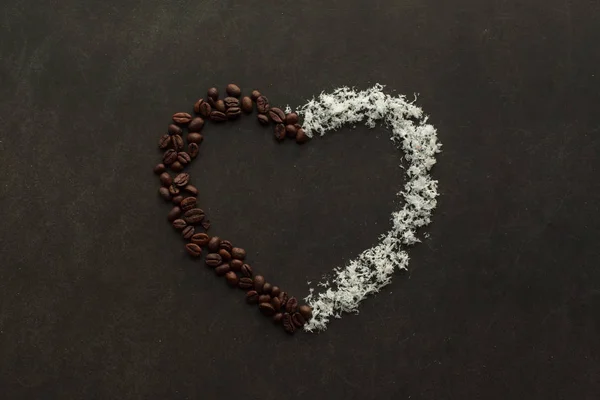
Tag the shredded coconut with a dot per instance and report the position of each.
(374, 267)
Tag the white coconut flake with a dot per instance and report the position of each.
(374, 267)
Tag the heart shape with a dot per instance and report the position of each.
(374, 267)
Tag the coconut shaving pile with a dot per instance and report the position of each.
(374, 267)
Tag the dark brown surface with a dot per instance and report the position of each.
(99, 299)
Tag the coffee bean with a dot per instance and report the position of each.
(252, 297)
(259, 282)
(233, 112)
(276, 303)
(174, 130)
(267, 309)
(164, 141)
(177, 199)
(238, 253)
(301, 136)
(262, 105)
(184, 158)
(193, 216)
(264, 298)
(218, 116)
(247, 105)
(188, 232)
(306, 311)
(188, 203)
(191, 190)
(201, 239)
(255, 95)
(165, 179)
(231, 102)
(174, 214)
(283, 299)
(291, 118)
(197, 105)
(196, 125)
(233, 90)
(275, 291)
(159, 169)
(177, 142)
(236, 265)
(263, 119)
(211, 102)
(288, 325)
(213, 260)
(220, 106)
(193, 249)
(193, 148)
(290, 131)
(177, 166)
(280, 132)
(182, 118)
(298, 320)
(247, 270)
(277, 318)
(194, 137)
(225, 255)
(169, 157)
(222, 269)
(232, 278)
(205, 109)
(174, 190)
(297, 126)
(291, 305)
(213, 244)
(164, 193)
(213, 93)
(245, 283)
(206, 224)
(277, 115)
(182, 179)
(179, 224)
(267, 287)
(226, 245)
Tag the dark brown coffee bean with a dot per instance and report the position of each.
(233, 112)
(193, 216)
(218, 116)
(193, 149)
(213, 93)
(188, 203)
(277, 318)
(291, 304)
(201, 239)
(211, 102)
(252, 297)
(179, 224)
(275, 291)
(288, 325)
(247, 270)
(290, 131)
(226, 245)
(177, 166)
(191, 190)
(245, 283)
(301, 136)
(196, 125)
(169, 157)
(213, 244)
(255, 95)
(222, 269)
(267, 287)
(182, 118)
(194, 137)
(264, 298)
(206, 224)
(177, 142)
(231, 102)
(262, 104)
(220, 106)
(184, 158)
(236, 265)
(238, 253)
(291, 118)
(164, 141)
(174, 190)
(159, 169)
(283, 299)
(276, 303)
(267, 309)
(188, 232)
(247, 105)
(174, 130)
(225, 255)
(174, 214)
(233, 90)
(306, 311)
(177, 199)
(193, 249)
(197, 105)
(164, 193)
(298, 320)
(165, 179)
(263, 119)
(232, 278)
(277, 115)
(205, 109)
(182, 179)
(259, 282)
(280, 132)
(213, 260)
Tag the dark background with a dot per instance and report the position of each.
(99, 301)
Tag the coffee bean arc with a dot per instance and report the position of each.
(222, 256)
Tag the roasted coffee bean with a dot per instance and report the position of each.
(283, 299)
(213, 244)
(280, 132)
(174, 214)
(211, 102)
(165, 179)
(233, 90)
(276, 303)
(259, 282)
(191, 190)
(247, 270)
(201, 239)
(179, 224)
(206, 108)
(275, 291)
(267, 309)
(255, 95)
(263, 119)
(267, 287)
(225, 255)
(193, 249)
(290, 131)
(184, 158)
(188, 203)
(220, 106)
(188, 232)
(177, 166)
(164, 141)
(174, 130)
(177, 199)
(226, 245)
(233, 112)
(159, 169)
(288, 325)
(291, 304)
(238, 253)
(169, 157)
(195, 137)
(193, 149)
(264, 298)
(182, 179)
(262, 104)
(245, 283)
(164, 193)
(298, 320)
(231, 102)
(213, 93)
(252, 297)
(247, 105)
(306, 311)
(193, 216)
(277, 115)
(197, 105)
(206, 224)
(291, 118)
(196, 125)
(174, 190)
(213, 260)
(277, 318)
(222, 269)
(301, 136)
(236, 265)
(177, 142)
(182, 118)
(232, 278)
(218, 116)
